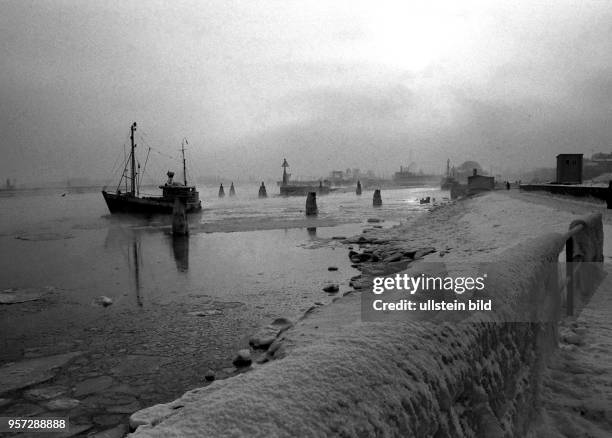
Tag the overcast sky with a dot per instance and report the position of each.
(326, 84)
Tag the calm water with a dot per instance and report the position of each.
(238, 246)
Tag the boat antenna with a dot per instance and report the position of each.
(184, 165)
(133, 182)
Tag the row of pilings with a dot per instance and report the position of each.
(180, 225)
(232, 192)
(263, 193)
(311, 201)
(311, 198)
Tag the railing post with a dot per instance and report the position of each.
(569, 272)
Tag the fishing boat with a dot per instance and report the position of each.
(130, 201)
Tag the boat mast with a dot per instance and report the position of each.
(133, 183)
(184, 165)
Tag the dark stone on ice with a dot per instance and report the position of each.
(423, 252)
(281, 324)
(331, 288)
(263, 340)
(394, 257)
(243, 359)
(356, 257)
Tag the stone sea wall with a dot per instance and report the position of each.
(334, 375)
(601, 193)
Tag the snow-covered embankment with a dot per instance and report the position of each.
(337, 375)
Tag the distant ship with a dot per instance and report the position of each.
(339, 178)
(406, 178)
(449, 180)
(132, 202)
(301, 188)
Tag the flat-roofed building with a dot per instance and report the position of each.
(480, 183)
(569, 169)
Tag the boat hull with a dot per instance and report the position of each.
(125, 203)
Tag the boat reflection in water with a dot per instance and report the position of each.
(180, 250)
(128, 242)
(136, 260)
(139, 249)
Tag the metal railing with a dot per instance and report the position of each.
(582, 271)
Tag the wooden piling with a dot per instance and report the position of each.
(262, 191)
(311, 204)
(180, 226)
(377, 199)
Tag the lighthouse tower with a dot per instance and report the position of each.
(285, 174)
